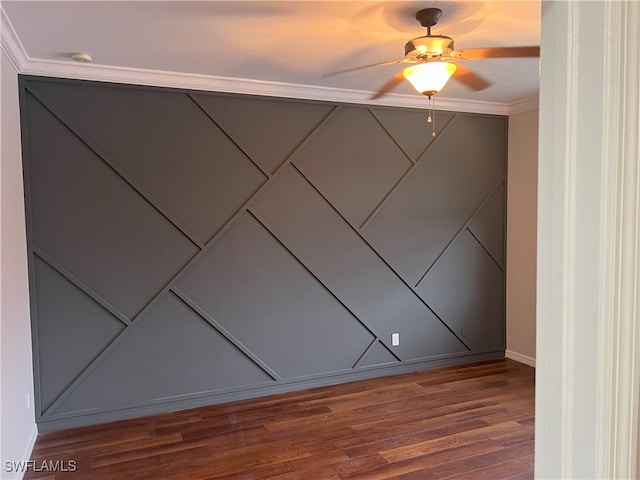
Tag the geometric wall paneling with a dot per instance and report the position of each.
(172, 352)
(410, 128)
(268, 131)
(167, 145)
(252, 286)
(437, 197)
(73, 330)
(188, 248)
(316, 234)
(354, 162)
(488, 225)
(89, 220)
(466, 289)
(378, 354)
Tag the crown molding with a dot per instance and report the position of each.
(138, 76)
(10, 43)
(524, 105)
(24, 64)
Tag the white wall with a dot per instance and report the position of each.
(522, 206)
(17, 421)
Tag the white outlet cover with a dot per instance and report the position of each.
(395, 339)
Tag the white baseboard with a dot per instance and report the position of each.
(26, 456)
(518, 357)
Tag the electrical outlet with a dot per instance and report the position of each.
(28, 400)
(395, 339)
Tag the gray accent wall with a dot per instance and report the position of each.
(189, 248)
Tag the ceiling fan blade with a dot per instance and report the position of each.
(381, 64)
(387, 87)
(497, 52)
(470, 79)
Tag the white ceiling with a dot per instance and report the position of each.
(293, 43)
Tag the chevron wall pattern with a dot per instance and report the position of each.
(189, 248)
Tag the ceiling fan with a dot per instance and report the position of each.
(434, 60)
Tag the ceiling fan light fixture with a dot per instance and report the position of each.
(430, 77)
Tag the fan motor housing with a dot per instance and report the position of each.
(428, 46)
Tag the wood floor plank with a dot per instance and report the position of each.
(521, 465)
(464, 422)
(478, 436)
(474, 464)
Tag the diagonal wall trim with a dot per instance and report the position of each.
(87, 290)
(171, 283)
(195, 100)
(225, 333)
(442, 129)
(391, 137)
(269, 181)
(343, 302)
(49, 412)
(462, 229)
(499, 264)
(374, 250)
(84, 138)
(371, 346)
(228, 225)
(312, 267)
(406, 174)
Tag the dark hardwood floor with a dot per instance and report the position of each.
(470, 422)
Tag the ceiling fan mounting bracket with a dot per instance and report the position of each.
(428, 17)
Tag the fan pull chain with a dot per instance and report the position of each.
(431, 117)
